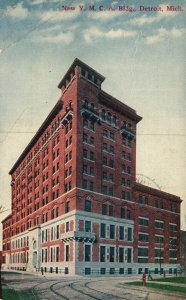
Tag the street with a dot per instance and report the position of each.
(32, 287)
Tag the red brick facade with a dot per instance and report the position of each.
(76, 179)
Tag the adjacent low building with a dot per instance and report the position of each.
(76, 205)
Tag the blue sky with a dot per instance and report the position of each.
(141, 54)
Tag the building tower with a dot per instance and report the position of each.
(76, 206)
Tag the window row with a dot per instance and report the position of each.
(110, 232)
(108, 134)
(88, 124)
(88, 154)
(68, 156)
(88, 170)
(50, 235)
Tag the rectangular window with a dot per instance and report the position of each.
(67, 252)
(111, 254)
(158, 252)
(104, 209)
(121, 254)
(122, 212)
(172, 227)
(102, 253)
(87, 252)
(57, 232)
(91, 171)
(111, 177)
(143, 251)
(140, 199)
(161, 205)
(84, 169)
(51, 254)
(88, 205)
(110, 210)
(91, 187)
(121, 233)
(92, 125)
(112, 136)
(84, 184)
(85, 153)
(112, 231)
(103, 230)
(104, 161)
(104, 190)
(111, 163)
(85, 138)
(105, 133)
(128, 196)
(104, 175)
(85, 123)
(52, 233)
(57, 254)
(67, 206)
(123, 196)
(111, 149)
(158, 239)
(143, 237)
(146, 201)
(91, 140)
(111, 191)
(87, 226)
(129, 234)
(143, 221)
(105, 147)
(67, 226)
(159, 224)
(156, 203)
(91, 155)
(46, 255)
(43, 236)
(129, 255)
(123, 168)
(123, 181)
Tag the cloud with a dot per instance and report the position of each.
(149, 19)
(17, 12)
(65, 37)
(103, 15)
(57, 15)
(94, 32)
(163, 33)
(37, 2)
(1, 50)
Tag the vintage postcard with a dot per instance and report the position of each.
(92, 146)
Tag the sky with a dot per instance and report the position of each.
(140, 52)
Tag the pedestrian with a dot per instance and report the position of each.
(144, 279)
(42, 271)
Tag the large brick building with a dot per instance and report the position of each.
(76, 205)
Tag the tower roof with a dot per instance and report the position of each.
(78, 62)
